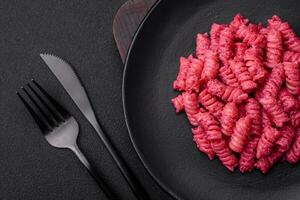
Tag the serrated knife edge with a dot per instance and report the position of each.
(70, 81)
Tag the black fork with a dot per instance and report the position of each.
(58, 126)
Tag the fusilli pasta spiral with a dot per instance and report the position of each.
(215, 36)
(240, 134)
(241, 72)
(211, 103)
(240, 50)
(291, 41)
(248, 155)
(286, 138)
(254, 61)
(226, 93)
(225, 45)
(238, 21)
(228, 77)
(191, 106)
(230, 115)
(295, 118)
(287, 100)
(179, 83)
(267, 141)
(211, 66)
(200, 138)
(178, 103)
(293, 154)
(250, 36)
(254, 111)
(265, 163)
(274, 50)
(275, 110)
(192, 82)
(290, 56)
(226, 156)
(292, 77)
(202, 45)
(211, 126)
(274, 82)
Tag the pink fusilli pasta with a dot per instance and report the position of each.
(226, 44)
(230, 115)
(179, 83)
(267, 142)
(253, 58)
(226, 156)
(240, 134)
(250, 36)
(191, 106)
(248, 155)
(266, 119)
(265, 163)
(290, 56)
(226, 93)
(192, 82)
(241, 72)
(240, 91)
(287, 100)
(211, 66)
(274, 49)
(200, 138)
(275, 110)
(293, 154)
(286, 138)
(290, 38)
(228, 77)
(178, 103)
(240, 50)
(274, 82)
(238, 21)
(295, 118)
(292, 77)
(254, 111)
(210, 124)
(215, 36)
(202, 45)
(211, 103)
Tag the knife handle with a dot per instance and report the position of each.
(109, 194)
(131, 179)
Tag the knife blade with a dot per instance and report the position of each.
(71, 83)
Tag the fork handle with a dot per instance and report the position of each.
(92, 172)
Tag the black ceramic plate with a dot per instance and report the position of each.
(163, 139)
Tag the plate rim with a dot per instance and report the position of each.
(129, 53)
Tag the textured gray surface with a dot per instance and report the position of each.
(81, 32)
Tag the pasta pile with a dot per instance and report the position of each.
(240, 93)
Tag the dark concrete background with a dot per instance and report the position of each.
(81, 32)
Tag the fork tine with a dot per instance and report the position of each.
(49, 113)
(41, 123)
(57, 108)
